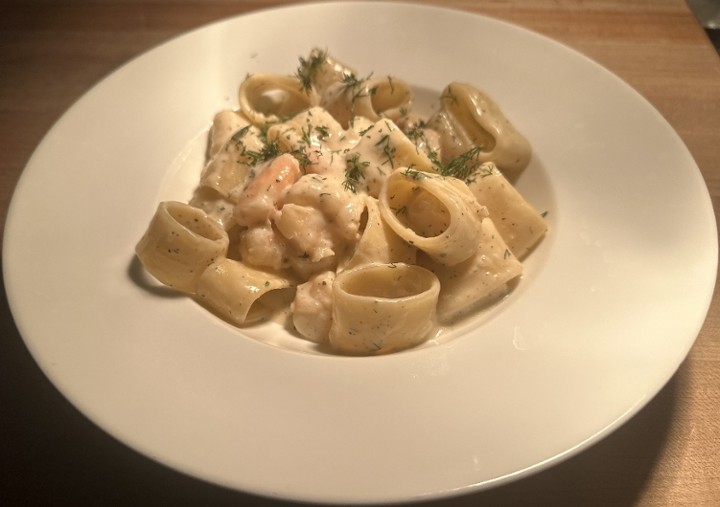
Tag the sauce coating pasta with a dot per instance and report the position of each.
(326, 195)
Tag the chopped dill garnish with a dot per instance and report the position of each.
(463, 166)
(365, 131)
(481, 171)
(350, 80)
(388, 149)
(414, 174)
(267, 152)
(306, 137)
(303, 159)
(308, 68)
(357, 86)
(323, 132)
(238, 136)
(354, 172)
(417, 133)
(435, 160)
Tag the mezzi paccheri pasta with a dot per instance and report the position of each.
(325, 195)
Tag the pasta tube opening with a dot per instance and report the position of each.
(381, 308)
(438, 215)
(270, 98)
(468, 119)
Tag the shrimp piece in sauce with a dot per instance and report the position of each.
(260, 200)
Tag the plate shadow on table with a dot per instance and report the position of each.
(52, 454)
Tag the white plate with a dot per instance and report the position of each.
(612, 302)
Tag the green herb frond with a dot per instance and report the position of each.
(414, 174)
(354, 172)
(462, 167)
(307, 69)
(269, 151)
(388, 149)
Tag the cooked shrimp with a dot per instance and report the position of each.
(312, 307)
(341, 208)
(259, 201)
(325, 161)
(263, 247)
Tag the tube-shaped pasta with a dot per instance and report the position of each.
(270, 98)
(320, 70)
(438, 215)
(467, 119)
(225, 124)
(309, 130)
(476, 281)
(390, 98)
(375, 98)
(343, 100)
(519, 224)
(382, 308)
(180, 242)
(241, 294)
(382, 149)
(379, 243)
(423, 137)
(346, 95)
(230, 167)
(214, 205)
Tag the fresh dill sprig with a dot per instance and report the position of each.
(414, 174)
(323, 132)
(416, 133)
(305, 135)
(269, 151)
(463, 166)
(303, 159)
(354, 172)
(238, 136)
(308, 68)
(357, 86)
(388, 149)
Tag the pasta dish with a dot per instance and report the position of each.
(327, 199)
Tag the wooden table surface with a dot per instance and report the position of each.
(51, 52)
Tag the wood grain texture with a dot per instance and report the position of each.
(52, 52)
